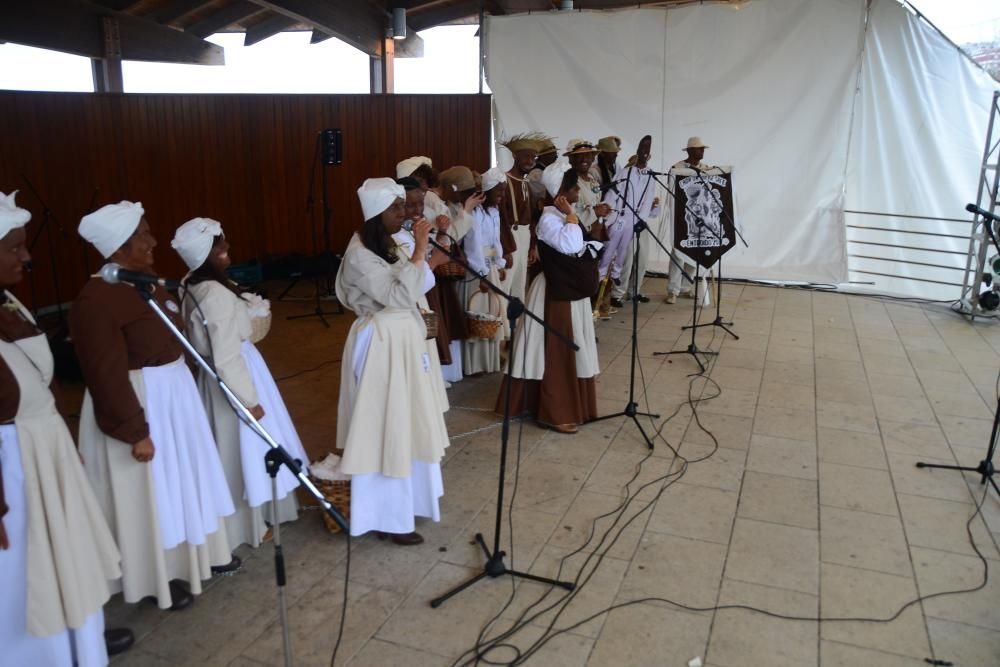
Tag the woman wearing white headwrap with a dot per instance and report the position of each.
(555, 384)
(219, 325)
(145, 440)
(485, 255)
(57, 556)
(389, 422)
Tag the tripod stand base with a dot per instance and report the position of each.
(691, 349)
(632, 412)
(717, 322)
(495, 567)
(985, 469)
(319, 312)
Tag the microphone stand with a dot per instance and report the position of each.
(495, 566)
(631, 409)
(276, 457)
(718, 321)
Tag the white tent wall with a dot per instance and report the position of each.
(916, 149)
(771, 88)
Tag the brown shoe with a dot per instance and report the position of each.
(403, 540)
(565, 428)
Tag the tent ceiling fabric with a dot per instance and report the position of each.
(771, 88)
(774, 101)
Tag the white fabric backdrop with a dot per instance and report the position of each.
(771, 88)
(916, 149)
(767, 87)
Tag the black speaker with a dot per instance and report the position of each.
(332, 147)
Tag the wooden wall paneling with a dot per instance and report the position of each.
(242, 159)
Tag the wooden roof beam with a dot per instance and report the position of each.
(226, 16)
(267, 28)
(75, 26)
(174, 10)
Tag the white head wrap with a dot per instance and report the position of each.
(410, 165)
(11, 217)
(193, 240)
(109, 227)
(553, 175)
(492, 178)
(378, 194)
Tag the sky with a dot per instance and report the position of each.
(287, 63)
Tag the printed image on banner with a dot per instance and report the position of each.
(703, 214)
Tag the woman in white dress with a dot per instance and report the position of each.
(485, 255)
(145, 439)
(57, 556)
(219, 324)
(554, 383)
(394, 447)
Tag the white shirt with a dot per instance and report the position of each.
(636, 189)
(590, 196)
(407, 243)
(553, 230)
(482, 243)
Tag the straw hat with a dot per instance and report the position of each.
(695, 142)
(457, 179)
(579, 147)
(610, 144)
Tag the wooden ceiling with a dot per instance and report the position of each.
(174, 30)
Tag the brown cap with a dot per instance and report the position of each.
(457, 179)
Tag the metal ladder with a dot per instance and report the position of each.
(987, 198)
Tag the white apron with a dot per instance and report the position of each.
(165, 514)
(398, 397)
(83, 646)
(529, 341)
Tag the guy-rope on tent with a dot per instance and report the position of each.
(832, 113)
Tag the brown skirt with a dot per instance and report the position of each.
(560, 397)
(441, 340)
(452, 313)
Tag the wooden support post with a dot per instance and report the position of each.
(107, 71)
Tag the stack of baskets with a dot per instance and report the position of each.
(431, 322)
(338, 494)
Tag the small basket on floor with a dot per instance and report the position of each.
(338, 493)
(484, 325)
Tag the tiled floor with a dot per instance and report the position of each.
(810, 504)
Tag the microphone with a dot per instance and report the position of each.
(651, 172)
(610, 185)
(972, 208)
(114, 274)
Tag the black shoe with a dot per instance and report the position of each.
(118, 640)
(642, 298)
(617, 303)
(180, 597)
(229, 568)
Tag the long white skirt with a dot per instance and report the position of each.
(191, 490)
(83, 646)
(481, 355)
(453, 372)
(390, 504)
(277, 422)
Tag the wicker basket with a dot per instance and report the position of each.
(431, 322)
(484, 325)
(338, 493)
(259, 327)
(451, 270)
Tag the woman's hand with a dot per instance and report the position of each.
(603, 210)
(475, 201)
(533, 256)
(442, 222)
(563, 205)
(656, 202)
(503, 275)
(421, 232)
(143, 450)
(257, 412)
(4, 542)
(508, 261)
(483, 287)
